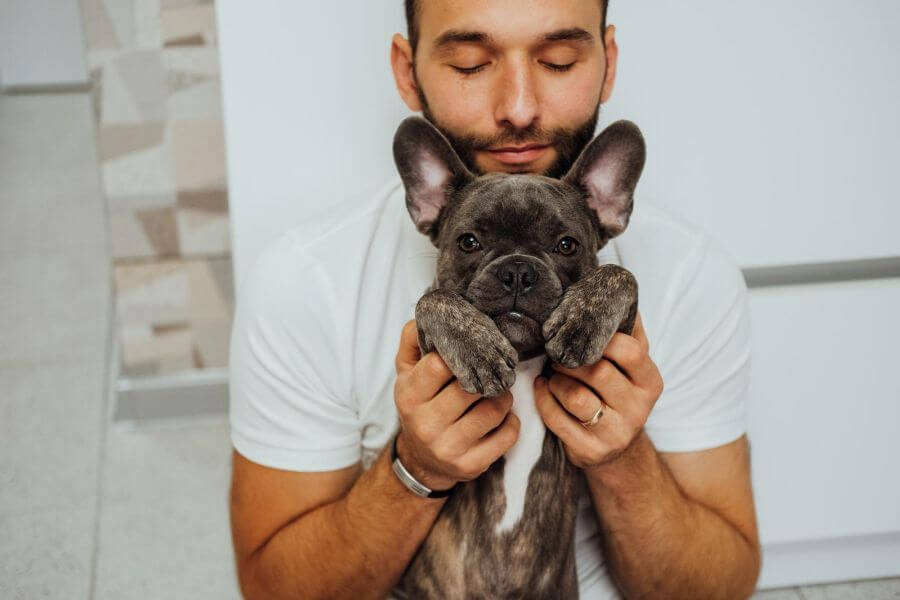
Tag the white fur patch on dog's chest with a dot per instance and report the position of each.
(521, 458)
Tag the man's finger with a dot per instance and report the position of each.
(495, 444)
(639, 334)
(408, 354)
(483, 417)
(558, 420)
(451, 402)
(428, 377)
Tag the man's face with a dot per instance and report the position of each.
(536, 70)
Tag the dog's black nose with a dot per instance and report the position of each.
(517, 276)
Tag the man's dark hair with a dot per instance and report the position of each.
(412, 22)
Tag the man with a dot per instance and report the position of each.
(316, 511)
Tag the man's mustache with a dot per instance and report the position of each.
(531, 135)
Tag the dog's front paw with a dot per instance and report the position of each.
(578, 330)
(479, 355)
(482, 359)
(575, 336)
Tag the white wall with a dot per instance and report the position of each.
(41, 43)
(774, 124)
(771, 124)
(825, 404)
(309, 118)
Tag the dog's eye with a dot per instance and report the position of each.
(468, 243)
(567, 246)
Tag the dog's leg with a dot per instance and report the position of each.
(590, 312)
(481, 357)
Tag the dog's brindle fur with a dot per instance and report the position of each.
(516, 296)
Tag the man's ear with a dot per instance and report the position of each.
(430, 169)
(607, 172)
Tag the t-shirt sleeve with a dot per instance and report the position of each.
(291, 404)
(703, 355)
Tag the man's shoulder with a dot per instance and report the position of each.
(337, 232)
(674, 259)
(655, 232)
(660, 241)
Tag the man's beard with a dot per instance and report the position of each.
(568, 142)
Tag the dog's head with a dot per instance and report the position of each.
(512, 244)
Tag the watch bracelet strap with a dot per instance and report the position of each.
(411, 483)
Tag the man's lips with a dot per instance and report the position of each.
(514, 155)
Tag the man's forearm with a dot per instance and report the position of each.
(658, 543)
(355, 547)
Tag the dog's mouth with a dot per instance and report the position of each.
(514, 315)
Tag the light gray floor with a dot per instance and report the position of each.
(88, 508)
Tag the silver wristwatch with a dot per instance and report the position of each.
(413, 484)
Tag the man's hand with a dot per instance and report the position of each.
(446, 434)
(625, 379)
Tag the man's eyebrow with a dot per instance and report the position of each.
(457, 36)
(570, 34)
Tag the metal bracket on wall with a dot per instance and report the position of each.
(845, 270)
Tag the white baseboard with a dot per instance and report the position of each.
(170, 396)
(827, 561)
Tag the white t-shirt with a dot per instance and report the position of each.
(319, 317)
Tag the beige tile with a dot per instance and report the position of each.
(121, 17)
(192, 23)
(198, 100)
(143, 173)
(173, 4)
(128, 237)
(118, 140)
(97, 58)
(203, 233)
(211, 343)
(213, 201)
(199, 150)
(202, 63)
(98, 29)
(161, 229)
(152, 293)
(117, 104)
(174, 315)
(142, 72)
(148, 27)
(208, 302)
(223, 273)
(147, 350)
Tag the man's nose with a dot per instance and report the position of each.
(517, 102)
(517, 276)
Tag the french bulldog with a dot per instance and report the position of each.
(517, 285)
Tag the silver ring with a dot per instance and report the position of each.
(593, 420)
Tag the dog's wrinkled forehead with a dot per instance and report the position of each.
(517, 208)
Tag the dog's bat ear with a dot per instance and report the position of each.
(607, 172)
(431, 170)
